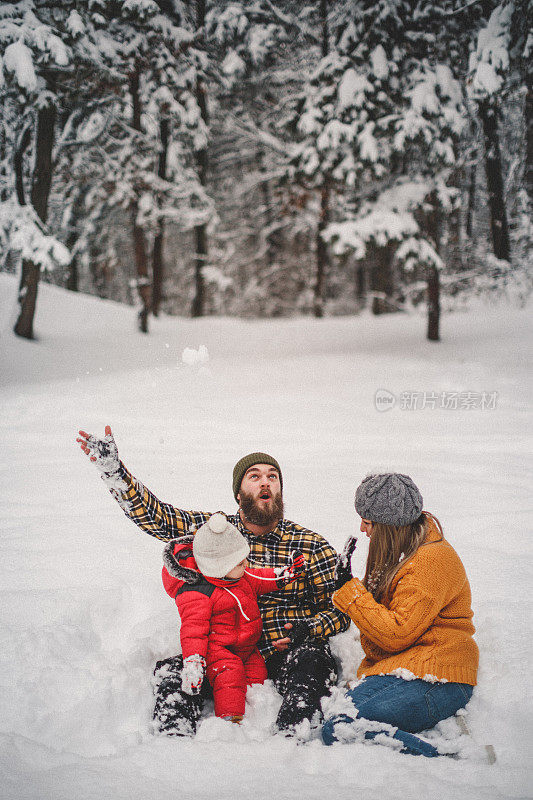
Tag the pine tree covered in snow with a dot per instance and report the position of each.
(499, 83)
(381, 119)
(258, 47)
(143, 167)
(42, 49)
(489, 64)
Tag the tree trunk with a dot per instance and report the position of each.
(433, 329)
(382, 283)
(324, 24)
(493, 168)
(472, 188)
(158, 268)
(528, 110)
(521, 63)
(139, 242)
(322, 255)
(433, 277)
(201, 156)
(18, 163)
(268, 203)
(3, 149)
(72, 238)
(141, 265)
(40, 192)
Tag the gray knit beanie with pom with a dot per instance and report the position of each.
(390, 498)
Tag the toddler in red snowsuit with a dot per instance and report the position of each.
(216, 594)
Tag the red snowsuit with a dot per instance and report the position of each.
(220, 621)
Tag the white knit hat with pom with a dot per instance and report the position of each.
(218, 547)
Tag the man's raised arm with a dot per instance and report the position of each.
(161, 520)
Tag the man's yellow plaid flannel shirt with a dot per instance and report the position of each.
(307, 598)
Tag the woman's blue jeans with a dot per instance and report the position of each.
(410, 706)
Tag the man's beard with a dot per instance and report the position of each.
(261, 516)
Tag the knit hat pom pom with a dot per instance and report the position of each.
(218, 523)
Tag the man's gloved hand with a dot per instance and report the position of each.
(296, 634)
(193, 673)
(294, 568)
(343, 568)
(299, 632)
(103, 452)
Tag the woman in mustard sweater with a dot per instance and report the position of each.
(413, 609)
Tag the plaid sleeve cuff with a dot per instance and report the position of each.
(330, 623)
(343, 598)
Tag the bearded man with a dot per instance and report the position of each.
(297, 620)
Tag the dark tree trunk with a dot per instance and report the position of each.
(158, 267)
(471, 202)
(72, 237)
(322, 254)
(139, 242)
(360, 281)
(433, 277)
(521, 63)
(73, 275)
(488, 113)
(3, 175)
(201, 156)
(141, 265)
(200, 238)
(472, 188)
(529, 141)
(271, 249)
(382, 279)
(433, 280)
(18, 163)
(40, 192)
(324, 23)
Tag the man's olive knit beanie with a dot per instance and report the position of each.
(248, 461)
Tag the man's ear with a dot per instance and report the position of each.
(239, 498)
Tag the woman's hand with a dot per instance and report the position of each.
(343, 567)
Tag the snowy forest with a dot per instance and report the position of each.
(267, 158)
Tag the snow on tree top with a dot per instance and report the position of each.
(379, 62)
(18, 60)
(352, 89)
(491, 57)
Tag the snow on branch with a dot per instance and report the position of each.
(379, 226)
(22, 231)
(389, 220)
(18, 61)
(258, 134)
(490, 61)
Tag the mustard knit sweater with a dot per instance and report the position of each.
(424, 624)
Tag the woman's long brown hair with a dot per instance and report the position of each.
(390, 547)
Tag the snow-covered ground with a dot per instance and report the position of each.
(83, 613)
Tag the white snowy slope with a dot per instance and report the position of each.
(84, 615)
